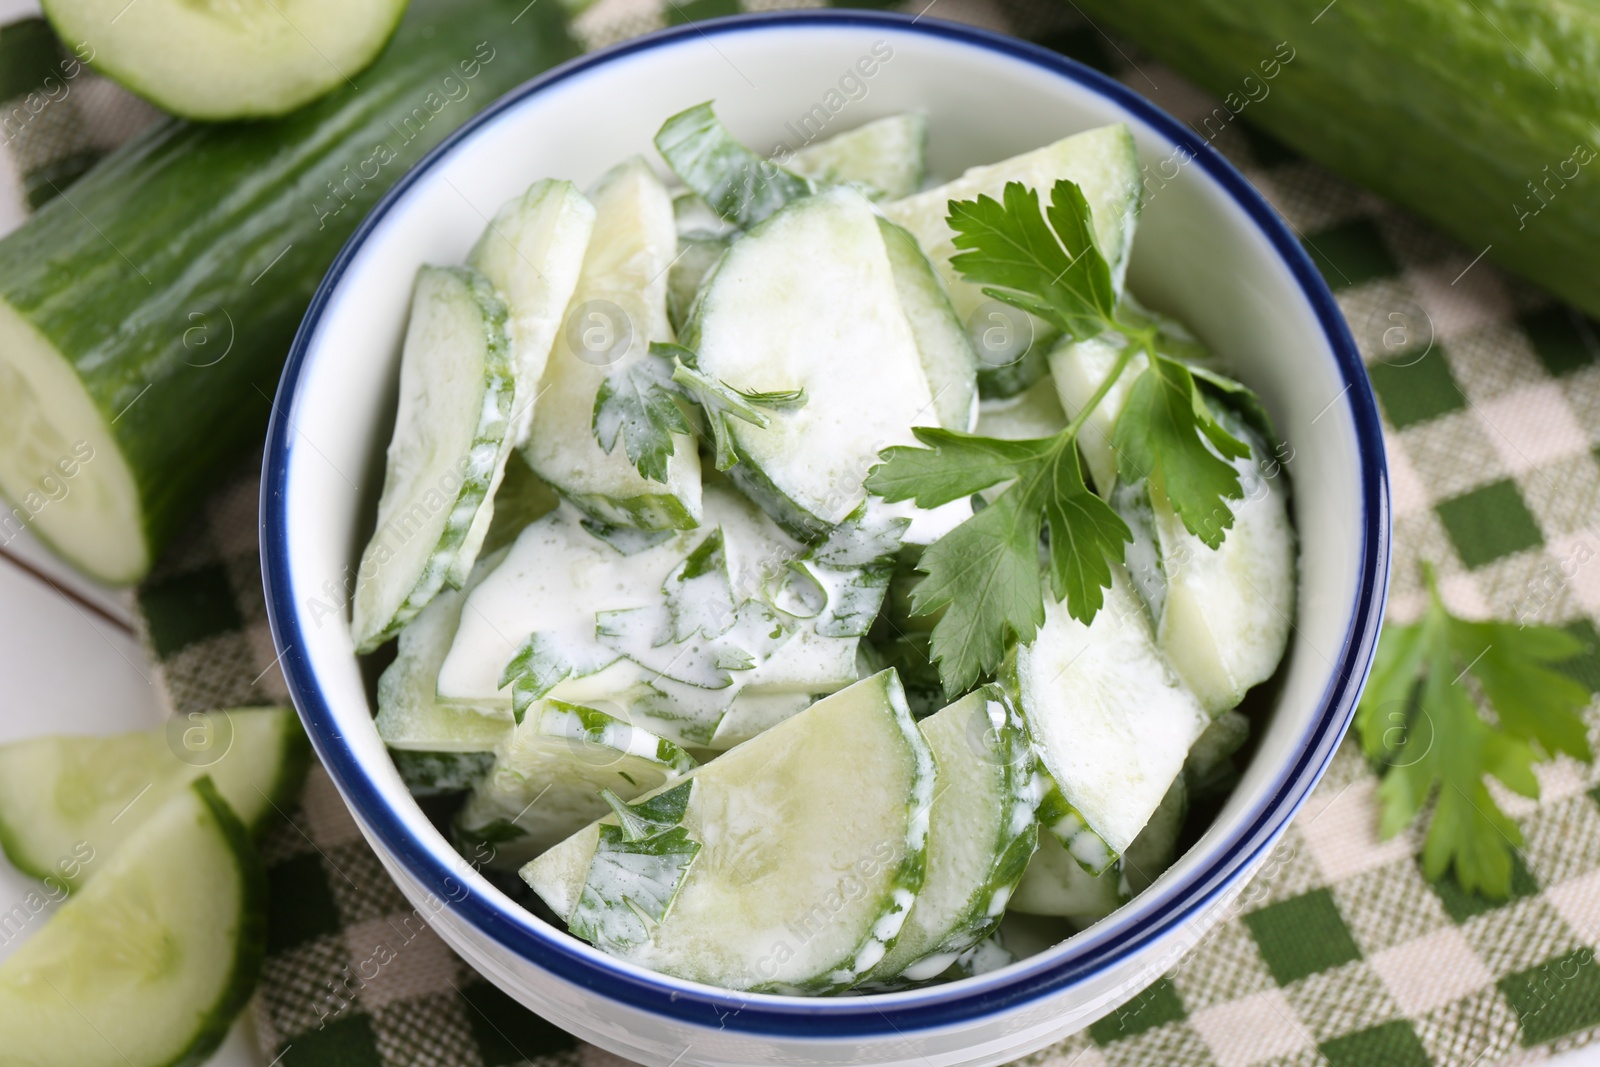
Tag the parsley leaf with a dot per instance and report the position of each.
(642, 404)
(985, 572)
(545, 659)
(639, 403)
(638, 867)
(1418, 718)
(740, 186)
(1162, 434)
(1007, 247)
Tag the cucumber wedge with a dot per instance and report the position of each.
(948, 361)
(1104, 164)
(228, 60)
(1111, 720)
(886, 158)
(67, 804)
(149, 963)
(1033, 413)
(807, 301)
(546, 781)
(1057, 884)
(812, 839)
(619, 308)
(1067, 824)
(445, 460)
(437, 747)
(980, 834)
(1153, 851)
(1226, 613)
(1077, 368)
(533, 251)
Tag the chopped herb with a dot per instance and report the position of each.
(638, 867)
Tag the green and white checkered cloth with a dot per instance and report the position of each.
(1340, 952)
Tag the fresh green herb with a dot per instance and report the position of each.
(1419, 720)
(545, 659)
(986, 572)
(638, 867)
(740, 186)
(642, 404)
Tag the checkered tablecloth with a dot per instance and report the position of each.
(1340, 952)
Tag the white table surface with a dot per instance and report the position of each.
(70, 663)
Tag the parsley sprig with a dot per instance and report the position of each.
(1418, 718)
(642, 404)
(986, 573)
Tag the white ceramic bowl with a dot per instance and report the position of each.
(1208, 249)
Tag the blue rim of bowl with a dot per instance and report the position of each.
(942, 1006)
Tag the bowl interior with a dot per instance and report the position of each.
(1199, 253)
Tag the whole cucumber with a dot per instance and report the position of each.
(1480, 115)
(145, 313)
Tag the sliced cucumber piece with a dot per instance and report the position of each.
(619, 308)
(149, 963)
(1111, 720)
(546, 781)
(234, 60)
(1069, 827)
(65, 798)
(1077, 368)
(1153, 851)
(807, 301)
(1057, 884)
(697, 254)
(753, 713)
(884, 158)
(1104, 164)
(1226, 614)
(533, 251)
(1214, 749)
(948, 361)
(438, 747)
(554, 578)
(1033, 413)
(813, 839)
(446, 456)
(980, 834)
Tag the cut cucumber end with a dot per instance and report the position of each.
(62, 474)
(228, 59)
(156, 956)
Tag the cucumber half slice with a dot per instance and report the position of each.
(1111, 720)
(68, 803)
(812, 839)
(807, 301)
(617, 310)
(447, 455)
(885, 158)
(148, 964)
(228, 60)
(546, 782)
(437, 747)
(980, 834)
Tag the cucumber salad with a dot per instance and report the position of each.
(775, 617)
